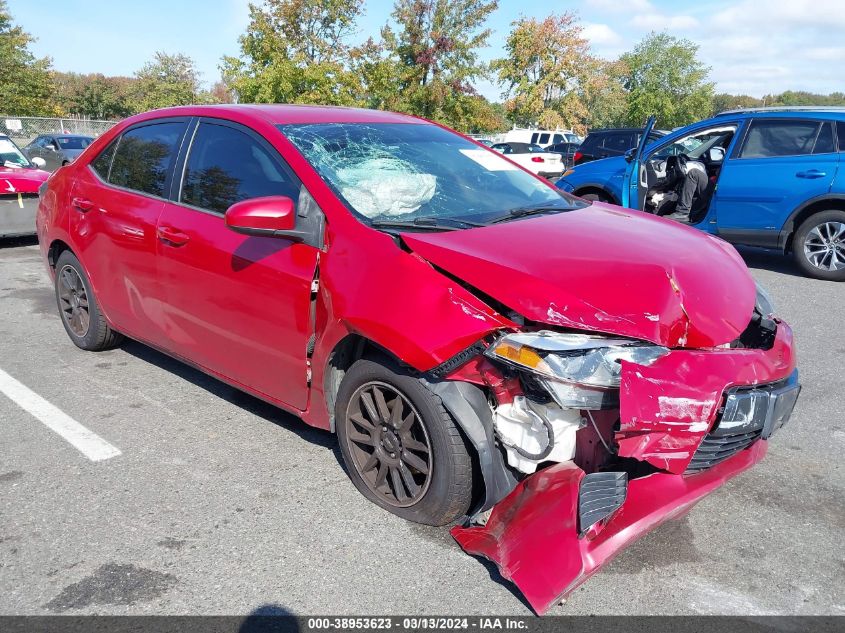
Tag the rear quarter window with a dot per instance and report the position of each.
(840, 133)
(772, 138)
(102, 163)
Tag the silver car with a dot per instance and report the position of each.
(57, 149)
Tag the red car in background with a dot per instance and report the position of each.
(558, 376)
(19, 183)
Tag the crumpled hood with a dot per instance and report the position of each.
(21, 180)
(606, 269)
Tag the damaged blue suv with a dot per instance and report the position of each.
(773, 180)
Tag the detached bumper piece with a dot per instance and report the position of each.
(533, 537)
(600, 495)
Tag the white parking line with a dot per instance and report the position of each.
(86, 442)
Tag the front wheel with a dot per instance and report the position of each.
(819, 245)
(401, 448)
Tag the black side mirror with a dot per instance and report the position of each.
(630, 154)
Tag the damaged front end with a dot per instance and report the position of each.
(610, 437)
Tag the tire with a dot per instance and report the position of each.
(73, 294)
(444, 492)
(812, 238)
(594, 196)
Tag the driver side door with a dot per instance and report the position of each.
(636, 184)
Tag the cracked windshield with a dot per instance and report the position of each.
(412, 173)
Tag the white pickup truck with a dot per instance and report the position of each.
(533, 157)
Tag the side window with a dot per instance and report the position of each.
(770, 138)
(102, 164)
(824, 141)
(840, 133)
(544, 140)
(226, 166)
(618, 142)
(558, 138)
(534, 137)
(144, 157)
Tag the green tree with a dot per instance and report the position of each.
(296, 51)
(95, 96)
(434, 50)
(25, 81)
(605, 96)
(664, 77)
(167, 80)
(545, 72)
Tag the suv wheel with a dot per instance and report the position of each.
(819, 245)
(402, 449)
(81, 316)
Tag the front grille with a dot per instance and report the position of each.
(717, 448)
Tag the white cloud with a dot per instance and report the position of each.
(601, 35)
(654, 21)
(626, 6)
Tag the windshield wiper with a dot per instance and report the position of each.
(521, 212)
(426, 223)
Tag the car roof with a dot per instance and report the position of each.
(279, 114)
(775, 110)
(69, 136)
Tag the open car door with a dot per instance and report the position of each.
(635, 185)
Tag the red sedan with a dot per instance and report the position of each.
(558, 376)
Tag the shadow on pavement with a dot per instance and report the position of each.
(774, 261)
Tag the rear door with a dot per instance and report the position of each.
(114, 207)
(779, 165)
(236, 305)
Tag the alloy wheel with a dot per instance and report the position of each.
(389, 444)
(74, 301)
(824, 246)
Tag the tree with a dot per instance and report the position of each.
(545, 72)
(25, 81)
(605, 96)
(95, 96)
(168, 80)
(665, 78)
(296, 51)
(435, 52)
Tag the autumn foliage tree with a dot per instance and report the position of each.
(296, 51)
(545, 70)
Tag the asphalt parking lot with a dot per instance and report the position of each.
(221, 504)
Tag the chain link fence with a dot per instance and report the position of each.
(23, 129)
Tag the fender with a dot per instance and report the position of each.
(789, 226)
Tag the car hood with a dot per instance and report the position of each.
(21, 180)
(604, 269)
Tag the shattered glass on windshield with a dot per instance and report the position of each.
(408, 171)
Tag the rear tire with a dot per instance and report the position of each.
(819, 245)
(78, 309)
(412, 462)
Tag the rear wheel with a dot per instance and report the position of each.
(819, 245)
(80, 314)
(402, 449)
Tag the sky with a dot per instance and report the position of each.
(754, 47)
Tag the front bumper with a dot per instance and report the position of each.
(671, 414)
(533, 534)
(17, 214)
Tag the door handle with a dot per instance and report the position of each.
(171, 236)
(811, 173)
(82, 205)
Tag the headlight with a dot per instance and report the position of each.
(579, 370)
(764, 304)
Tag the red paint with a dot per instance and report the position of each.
(669, 406)
(20, 180)
(532, 535)
(605, 269)
(275, 213)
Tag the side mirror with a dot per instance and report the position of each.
(38, 162)
(273, 216)
(630, 154)
(717, 154)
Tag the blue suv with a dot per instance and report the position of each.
(774, 181)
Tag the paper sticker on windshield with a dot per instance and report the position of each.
(489, 160)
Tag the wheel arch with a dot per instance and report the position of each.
(54, 251)
(799, 215)
(598, 189)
